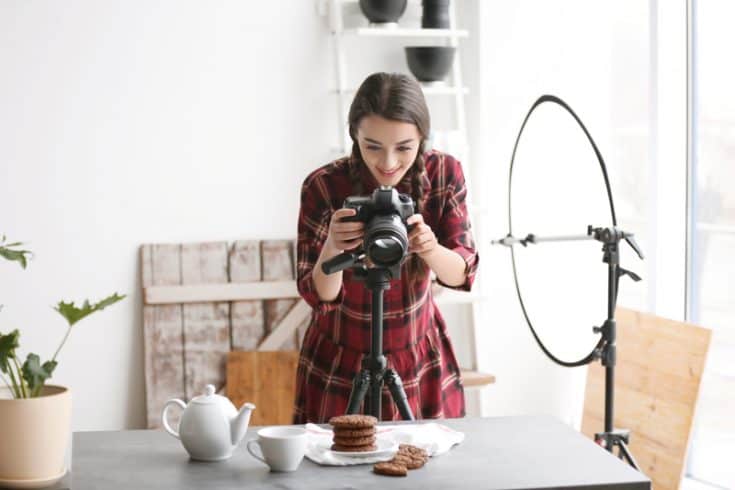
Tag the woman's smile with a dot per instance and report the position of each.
(389, 173)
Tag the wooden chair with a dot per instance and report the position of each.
(658, 373)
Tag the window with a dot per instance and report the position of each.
(712, 236)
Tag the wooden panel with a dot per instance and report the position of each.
(304, 325)
(198, 293)
(163, 334)
(658, 373)
(299, 314)
(277, 256)
(266, 379)
(206, 325)
(247, 317)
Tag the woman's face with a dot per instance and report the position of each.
(388, 147)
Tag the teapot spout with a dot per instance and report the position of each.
(239, 425)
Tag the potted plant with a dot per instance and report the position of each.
(35, 417)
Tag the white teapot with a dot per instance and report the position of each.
(211, 427)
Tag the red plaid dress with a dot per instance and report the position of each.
(415, 340)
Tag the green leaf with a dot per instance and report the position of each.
(8, 344)
(15, 255)
(35, 374)
(7, 252)
(74, 313)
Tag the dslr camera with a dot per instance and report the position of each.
(386, 231)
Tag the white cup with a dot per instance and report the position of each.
(281, 448)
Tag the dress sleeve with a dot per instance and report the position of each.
(455, 230)
(313, 227)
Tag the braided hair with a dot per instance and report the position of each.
(397, 97)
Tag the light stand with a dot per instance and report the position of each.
(606, 348)
(610, 237)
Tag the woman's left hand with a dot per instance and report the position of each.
(421, 239)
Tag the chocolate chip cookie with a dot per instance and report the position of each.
(354, 421)
(390, 469)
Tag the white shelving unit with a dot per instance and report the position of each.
(454, 89)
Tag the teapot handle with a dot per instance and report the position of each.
(164, 414)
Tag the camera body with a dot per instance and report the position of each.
(386, 232)
(384, 201)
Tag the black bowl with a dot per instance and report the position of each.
(383, 11)
(430, 63)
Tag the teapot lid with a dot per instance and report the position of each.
(209, 396)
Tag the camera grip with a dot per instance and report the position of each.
(339, 262)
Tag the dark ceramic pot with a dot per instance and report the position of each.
(383, 11)
(430, 63)
(435, 14)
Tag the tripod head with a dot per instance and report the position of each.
(356, 261)
(613, 235)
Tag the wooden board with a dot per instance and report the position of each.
(266, 379)
(658, 373)
(247, 317)
(299, 314)
(162, 333)
(197, 293)
(206, 325)
(278, 264)
(472, 379)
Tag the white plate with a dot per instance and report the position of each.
(385, 447)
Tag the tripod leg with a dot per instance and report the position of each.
(374, 397)
(395, 385)
(625, 454)
(360, 386)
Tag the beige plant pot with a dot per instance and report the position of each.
(34, 437)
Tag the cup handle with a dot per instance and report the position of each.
(164, 417)
(250, 450)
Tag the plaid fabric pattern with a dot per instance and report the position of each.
(415, 340)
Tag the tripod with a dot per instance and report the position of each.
(606, 348)
(368, 383)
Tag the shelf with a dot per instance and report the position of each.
(476, 379)
(406, 32)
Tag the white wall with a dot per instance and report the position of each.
(124, 123)
(142, 122)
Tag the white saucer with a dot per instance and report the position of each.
(385, 446)
(33, 483)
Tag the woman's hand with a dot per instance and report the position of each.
(421, 239)
(344, 235)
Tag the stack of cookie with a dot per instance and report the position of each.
(407, 458)
(354, 433)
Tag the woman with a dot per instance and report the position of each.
(389, 124)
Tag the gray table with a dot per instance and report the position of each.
(498, 453)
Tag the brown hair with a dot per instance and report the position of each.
(397, 97)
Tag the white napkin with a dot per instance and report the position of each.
(435, 439)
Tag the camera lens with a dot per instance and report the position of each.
(386, 251)
(386, 240)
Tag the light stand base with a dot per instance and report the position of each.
(617, 438)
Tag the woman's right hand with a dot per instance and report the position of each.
(344, 235)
